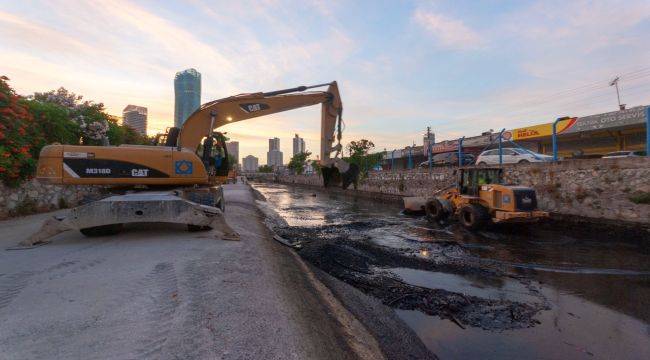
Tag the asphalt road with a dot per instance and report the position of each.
(158, 291)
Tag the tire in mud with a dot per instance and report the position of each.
(196, 228)
(434, 211)
(473, 216)
(103, 230)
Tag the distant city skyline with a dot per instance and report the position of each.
(135, 117)
(187, 95)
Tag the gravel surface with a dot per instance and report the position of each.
(158, 291)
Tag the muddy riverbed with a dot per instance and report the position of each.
(543, 292)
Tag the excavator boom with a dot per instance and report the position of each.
(218, 113)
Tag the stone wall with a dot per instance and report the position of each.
(597, 188)
(35, 196)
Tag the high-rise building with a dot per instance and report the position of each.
(274, 155)
(274, 144)
(250, 163)
(233, 150)
(298, 145)
(187, 95)
(135, 117)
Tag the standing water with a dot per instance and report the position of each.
(593, 289)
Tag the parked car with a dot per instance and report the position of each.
(449, 159)
(511, 156)
(623, 154)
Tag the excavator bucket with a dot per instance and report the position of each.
(335, 171)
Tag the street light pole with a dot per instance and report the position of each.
(618, 94)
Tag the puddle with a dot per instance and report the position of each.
(573, 329)
(473, 285)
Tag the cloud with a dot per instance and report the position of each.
(449, 32)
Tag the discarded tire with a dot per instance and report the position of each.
(103, 230)
(473, 216)
(435, 211)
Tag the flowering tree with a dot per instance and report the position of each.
(90, 116)
(18, 137)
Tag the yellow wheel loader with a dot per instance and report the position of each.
(479, 198)
(179, 182)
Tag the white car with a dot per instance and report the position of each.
(511, 156)
(623, 154)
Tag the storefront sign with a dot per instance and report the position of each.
(537, 131)
(633, 116)
(445, 146)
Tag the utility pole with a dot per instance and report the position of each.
(618, 95)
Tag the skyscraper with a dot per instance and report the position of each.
(135, 117)
(298, 145)
(250, 163)
(187, 95)
(233, 150)
(274, 155)
(274, 144)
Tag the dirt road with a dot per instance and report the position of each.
(158, 291)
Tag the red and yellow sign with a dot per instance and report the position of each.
(537, 131)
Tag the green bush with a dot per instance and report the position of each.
(640, 198)
(54, 122)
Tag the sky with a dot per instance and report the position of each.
(460, 67)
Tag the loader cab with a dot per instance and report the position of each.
(471, 179)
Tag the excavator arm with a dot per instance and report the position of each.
(218, 113)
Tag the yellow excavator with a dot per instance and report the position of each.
(179, 182)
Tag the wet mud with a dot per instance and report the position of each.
(548, 291)
(344, 252)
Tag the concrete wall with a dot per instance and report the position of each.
(34, 196)
(598, 188)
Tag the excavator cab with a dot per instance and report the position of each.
(214, 154)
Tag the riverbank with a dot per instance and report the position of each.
(619, 228)
(598, 189)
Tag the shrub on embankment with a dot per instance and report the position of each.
(57, 116)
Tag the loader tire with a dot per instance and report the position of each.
(103, 230)
(434, 210)
(473, 216)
